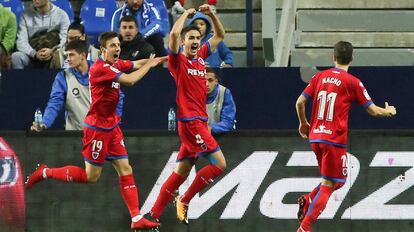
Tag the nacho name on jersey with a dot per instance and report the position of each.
(331, 80)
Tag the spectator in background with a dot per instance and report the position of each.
(221, 108)
(42, 28)
(5, 59)
(133, 46)
(149, 22)
(71, 88)
(75, 31)
(8, 29)
(222, 57)
(177, 7)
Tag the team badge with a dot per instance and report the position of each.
(201, 61)
(75, 92)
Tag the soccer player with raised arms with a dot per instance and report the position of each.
(186, 65)
(103, 138)
(332, 92)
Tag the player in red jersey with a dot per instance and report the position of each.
(186, 65)
(103, 138)
(332, 92)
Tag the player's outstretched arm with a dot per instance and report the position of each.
(174, 40)
(139, 63)
(301, 113)
(132, 78)
(218, 28)
(377, 111)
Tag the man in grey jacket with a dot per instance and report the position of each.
(42, 28)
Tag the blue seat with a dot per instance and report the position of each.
(64, 5)
(15, 6)
(96, 16)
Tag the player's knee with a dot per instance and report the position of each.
(125, 170)
(92, 178)
(338, 185)
(222, 164)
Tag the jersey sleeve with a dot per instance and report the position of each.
(205, 51)
(105, 73)
(124, 65)
(173, 61)
(308, 92)
(361, 95)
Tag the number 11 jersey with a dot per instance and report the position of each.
(332, 92)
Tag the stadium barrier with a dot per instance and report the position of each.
(265, 97)
(267, 171)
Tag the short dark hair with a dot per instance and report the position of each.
(80, 46)
(77, 26)
(216, 71)
(128, 18)
(343, 52)
(105, 36)
(188, 28)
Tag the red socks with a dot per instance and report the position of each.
(312, 194)
(167, 194)
(204, 177)
(67, 174)
(317, 206)
(129, 192)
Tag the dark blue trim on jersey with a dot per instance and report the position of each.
(313, 203)
(368, 104)
(93, 163)
(205, 153)
(98, 128)
(193, 118)
(306, 95)
(191, 159)
(327, 142)
(117, 76)
(116, 157)
(340, 180)
(180, 49)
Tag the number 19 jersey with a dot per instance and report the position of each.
(333, 91)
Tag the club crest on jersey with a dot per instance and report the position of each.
(201, 61)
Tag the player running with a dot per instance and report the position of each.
(332, 92)
(103, 138)
(186, 65)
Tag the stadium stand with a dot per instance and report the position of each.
(96, 16)
(64, 5)
(15, 6)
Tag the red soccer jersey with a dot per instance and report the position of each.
(333, 91)
(190, 78)
(104, 89)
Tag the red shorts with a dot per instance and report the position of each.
(196, 140)
(101, 145)
(332, 161)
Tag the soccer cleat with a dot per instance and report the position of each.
(303, 202)
(38, 175)
(144, 223)
(182, 210)
(302, 230)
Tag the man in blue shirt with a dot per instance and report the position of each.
(221, 108)
(71, 88)
(151, 25)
